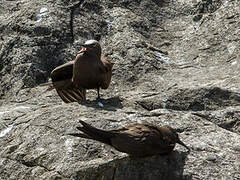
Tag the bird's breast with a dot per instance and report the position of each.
(87, 75)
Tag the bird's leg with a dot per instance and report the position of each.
(98, 97)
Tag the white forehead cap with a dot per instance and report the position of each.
(88, 42)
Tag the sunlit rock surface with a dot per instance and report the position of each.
(176, 63)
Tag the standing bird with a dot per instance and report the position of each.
(87, 71)
(137, 140)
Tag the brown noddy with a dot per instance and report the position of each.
(137, 140)
(89, 70)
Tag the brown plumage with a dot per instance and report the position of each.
(89, 70)
(136, 139)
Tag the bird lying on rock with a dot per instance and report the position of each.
(137, 140)
(89, 70)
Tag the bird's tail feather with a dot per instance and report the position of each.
(91, 132)
(46, 84)
(49, 84)
(80, 135)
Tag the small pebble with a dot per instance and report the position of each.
(211, 158)
(234, 63)
(100, 104)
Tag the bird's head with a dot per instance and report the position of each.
(172, 133)
(92, 47)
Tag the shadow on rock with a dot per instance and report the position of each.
(110, 104)
(200, 99)
(165, 167)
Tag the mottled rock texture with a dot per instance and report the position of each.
(176, 63)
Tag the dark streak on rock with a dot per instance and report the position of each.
(72, 8)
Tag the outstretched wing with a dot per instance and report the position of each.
(72, 94)
(62, 72)
(62, 81)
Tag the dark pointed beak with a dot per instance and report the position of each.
(184, 145)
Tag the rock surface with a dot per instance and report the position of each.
(176, 63)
